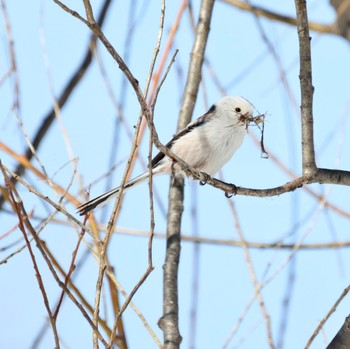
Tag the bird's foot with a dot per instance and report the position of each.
(204, 178)
(234, 191)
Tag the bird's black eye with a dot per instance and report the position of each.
(238, 110)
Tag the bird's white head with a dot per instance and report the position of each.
(235, 108)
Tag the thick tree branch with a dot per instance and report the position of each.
(322, 176)
(194, 76)
(343, 17)
(307, 90)
(169, 321)
(342, 338)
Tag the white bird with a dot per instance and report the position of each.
(206, 144)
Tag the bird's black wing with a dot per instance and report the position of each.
(200, 121)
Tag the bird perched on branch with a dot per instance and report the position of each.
(206, 144)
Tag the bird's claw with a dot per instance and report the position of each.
(234, 191)
(204, 178)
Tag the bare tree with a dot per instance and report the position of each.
(97, 305)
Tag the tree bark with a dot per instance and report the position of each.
(169, 323)
(342, 338)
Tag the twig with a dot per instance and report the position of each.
(308, 229)
(74, 288)
(241, 318)
(52, 269)
(13, 69)
(243, 5)
(23, 220)
(102, 261)
(135, 309)
(157, 74)
(63, 97)
(150, 182)
(253, 276)
(43, 224)
(213, 241)
(196, 268)
(145, 110)
(310, 191)
(96, 313)
(152, 223)
(263, 284)
(56, 107)
(88, 10)
(150, 266)
(45, 198)
(324, 320)
(127, 302)
(235, 243)
(154, 78)
(70, 272)
(119, 105)
(23, 161)
(114, 147)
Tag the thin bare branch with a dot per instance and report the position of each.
(134, 308)
(63, 97)
(88, 11)
(150, 145)
(235, 243)
(253, 276)
(70, 272)
(12, 53)
(24, 221)
(324, 320)
(52, 269)
(45, 198)
(244, 5)
(127, 302)
(73, 287)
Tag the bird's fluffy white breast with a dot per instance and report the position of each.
(208, 147)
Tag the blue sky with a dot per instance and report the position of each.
(235, 46)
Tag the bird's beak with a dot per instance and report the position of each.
(245, 117)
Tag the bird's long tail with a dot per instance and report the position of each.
(103, 199)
